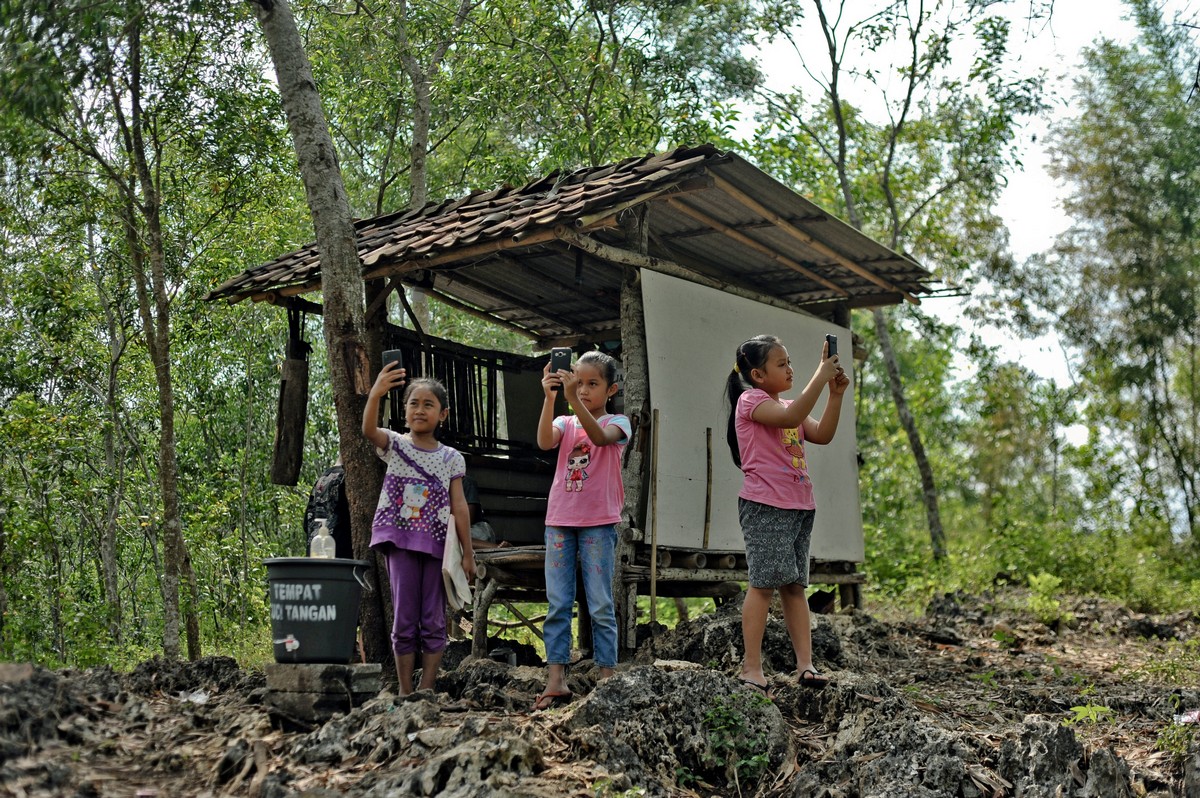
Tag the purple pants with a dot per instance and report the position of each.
(418, 601)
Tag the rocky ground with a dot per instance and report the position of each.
(974, 698)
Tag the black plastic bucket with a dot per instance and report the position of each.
(314, 607)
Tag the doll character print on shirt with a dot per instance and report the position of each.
(413, 500)
(580, 458)
(795, 447)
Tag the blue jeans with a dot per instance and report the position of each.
(595, 548)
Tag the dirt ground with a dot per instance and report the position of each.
(976, 697)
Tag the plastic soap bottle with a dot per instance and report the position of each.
(323, 544)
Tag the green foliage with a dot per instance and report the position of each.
(1120, 286)
(1177, 740)
(987, 678)
(731, 746)
(1177, 664)
(603, 788)
(1043, 599)
(1019, 499)
(79, 398)
(1088, 713)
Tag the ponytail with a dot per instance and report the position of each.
(750, 355)
(735, 386)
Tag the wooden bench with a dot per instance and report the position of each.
(517, 574)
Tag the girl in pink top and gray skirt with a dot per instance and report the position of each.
(766, 437)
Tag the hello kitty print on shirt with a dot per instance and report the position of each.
(416, 495)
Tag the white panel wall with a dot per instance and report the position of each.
(692, 335)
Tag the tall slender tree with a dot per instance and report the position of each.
(905, 164)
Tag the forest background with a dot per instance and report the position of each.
(144, 159)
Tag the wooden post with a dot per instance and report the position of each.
(707, 485)
(654, 519)
(637, 407)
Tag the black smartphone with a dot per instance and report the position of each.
(832, 341)
(393, 356)
(560, 359)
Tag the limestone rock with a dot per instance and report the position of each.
(679, 727)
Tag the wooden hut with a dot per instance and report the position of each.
(667, 262)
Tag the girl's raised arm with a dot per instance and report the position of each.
(822, 432)
(390, 378)
(773, 414)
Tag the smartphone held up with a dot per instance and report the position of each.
(393, 356)
(832, 341)
(560, 360)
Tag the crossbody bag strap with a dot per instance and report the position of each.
(416, 466)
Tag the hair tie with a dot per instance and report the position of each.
(736, 369)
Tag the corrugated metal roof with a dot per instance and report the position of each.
(517, 254)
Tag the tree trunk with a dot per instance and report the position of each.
(341, 280)
(929, 490)
(419, 174)
(376, 609)
(4, 570)
(151, 287)
(115, 466)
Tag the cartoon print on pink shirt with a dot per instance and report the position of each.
(579, 459)
(416, 494)
(795, 447)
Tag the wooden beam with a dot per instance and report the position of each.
(477, 313)
(803, 237)
(622, 257)
(514, 301)
(591, 336)
(273, 298)
(742, 238)
(382, 296)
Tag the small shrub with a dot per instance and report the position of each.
(1043, 599)
(731, 746)
(1176, 740)
(1088, 713)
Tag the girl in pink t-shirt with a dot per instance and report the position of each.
(583, 508)
(766, 437)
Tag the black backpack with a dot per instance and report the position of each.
(328, 500)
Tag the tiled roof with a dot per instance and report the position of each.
(534, 258)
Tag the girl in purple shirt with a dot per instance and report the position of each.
(422, 490)
(766, 437)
